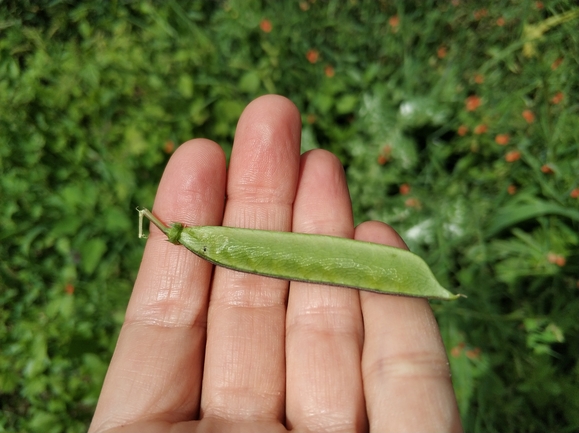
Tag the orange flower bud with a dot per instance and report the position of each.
(313, 55)
(405, 189)
(472, 103)
(529, 116)
(556, 259)
(480, 129)
(169, 146)
(462, 130)
(480, 13)
(457, 350)
(473, 354)
(265, 25)
(546, 168)
(512, 156)
(502, 139)
(556, 63)
(557, 98)
(413, 202)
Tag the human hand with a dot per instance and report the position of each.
(240, 352)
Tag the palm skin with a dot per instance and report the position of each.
(205, 350)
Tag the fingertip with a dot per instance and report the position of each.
(192, 188)
(324, 158)
(264, 165)
(275, 103)
(322, 201)
(379, 233)
(201, 147)
(268, 119)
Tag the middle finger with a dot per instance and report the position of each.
(244, 377)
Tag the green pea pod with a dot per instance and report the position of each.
(311, 258)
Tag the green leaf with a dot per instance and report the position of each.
(44, 422)
(512, 214)
(249, 82)
(186, 86)
(346, 104)
(91, 253)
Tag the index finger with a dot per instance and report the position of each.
(156, 369)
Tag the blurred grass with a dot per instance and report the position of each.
(456, 123)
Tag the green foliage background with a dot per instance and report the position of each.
(94, 94)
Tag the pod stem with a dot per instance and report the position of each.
(147, 213)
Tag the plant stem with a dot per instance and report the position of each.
(145, 212)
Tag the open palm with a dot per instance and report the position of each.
(205, 350)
